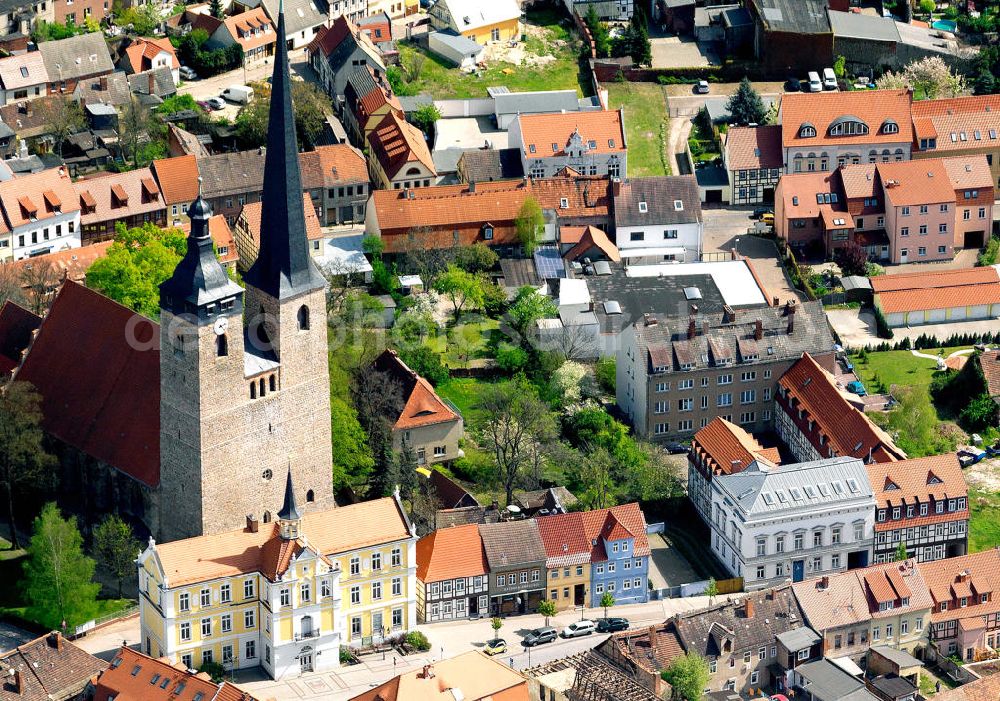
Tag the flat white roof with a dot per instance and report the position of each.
(410, 280)
(573, 291)
(343, 255)
(651, 251)
(733, 278)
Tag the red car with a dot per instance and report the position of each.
(779, 697)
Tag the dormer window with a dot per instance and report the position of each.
(890, 127)
(807, 130)
(848, 126)
(563, 203)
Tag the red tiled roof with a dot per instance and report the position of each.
(924, 181)
(593, 238)
(130, 673)
(109, 406)
(626, 520)
(241, 27)
(395, 143)
(727, 448)
(178, 178)
(547, 135)
(421, 404)
(989, 362)
(72, 263)
(798, 193)
(341, 163)
(448, 553)
(565, 540)
(985, 689)
(848, 431)
(750, 148)
(22, 197)
(937, 289)
(118, 195)
(821, 109)
(141, 52)
(942, 576)
(916, 481)
(955, 122)
(50, 667)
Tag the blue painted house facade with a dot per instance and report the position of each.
(619, 561)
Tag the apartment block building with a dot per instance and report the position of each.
(922, 503)
(800, 522)
(677, 374)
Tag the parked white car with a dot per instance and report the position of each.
(578, 628)
(815, 85)
(829, 79)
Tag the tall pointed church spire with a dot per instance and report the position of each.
(199, 281)
(283, 267)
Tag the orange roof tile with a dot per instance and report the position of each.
(250, 222)
(571, 234)
(72, 263)
(118, 195)
(130, 675)
(967, 172)
(448, 553)
(329, 533)
(178, 178)
(750, 148)
(924, 181)
(822, 109)
(917, 480)
(982, 569)
(959, 123)
(421, 404)
(472, 676)
(848, 431)
(395, 143)
(613, 521)
(547, 135)
(937, 289)
(727, 448)
(565, 540)
(985, 689)
(342, 163)
(242, 26)
(21, 197)
(989, 362)
(798, 192)
(593, 238)
(141, 52)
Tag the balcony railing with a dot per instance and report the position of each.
(307, 634)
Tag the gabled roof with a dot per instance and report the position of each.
(329, 533)
(512, 543)
(141, 196)
(24, 199)
(472, 676)
(750, 148)
(848, 431)
(985, 689)
(956, 577)
(109, 410)
(592, 237)
(547, 135)
(924, 181)
(23, 70)
(340, 40)
(133, 675)
(251, 29)
(448, 553)
(49, 667)
(937, 289)
(140, 53)
(76, 57)
(616, 523)
(969, 172)
(178, 178)
(300, 15)
(989, 362)
(726, 448)
(959, 123)
(470, 15)
(821, 110)
(395, 143)
(917, 481)
(565, 540)
(421, 404)
(653, 201)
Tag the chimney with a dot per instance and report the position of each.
(152, 83)
(758, 330)
(691, 327)
(789, 307)
(776, 302)
(749, 607)
(472, 186)
(55, 640)
(15, 680)
(104, 82)
(791, 324)
(652, 637)
(728, 314)
(649, 320)
(427, 672)
(704, 328)
(252, 524)
(824, 583)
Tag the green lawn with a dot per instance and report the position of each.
(463, 392)
(900, 367)
(460, 343)
(702, 141)
(646, 125)
(443, 81)
(984, 520)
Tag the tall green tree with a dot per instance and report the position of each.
(309, 103)
(62, 119)
(141, 134)
(462, 288)
(24, 462)
(116, 547)
(215, 7)
(688, 676)
(529, 224)
(528, 307)
(58, 577)
(901, 553)
(137, 262)
(547, 608)
(598, 32)
(640, 48)
(745, 105)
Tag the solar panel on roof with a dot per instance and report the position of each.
(548, 263)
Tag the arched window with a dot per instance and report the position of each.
(272, 384)
(890, 127)
(412, 171)
(221, 345)
(263, 389)
(303, 317)
(253, 390)
(806, 130)
(267, 517)
(310, 496)
(260, 338)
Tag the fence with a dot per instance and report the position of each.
(723, 586)
(98, 622)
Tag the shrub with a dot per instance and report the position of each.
(511, 358)
(213, 669)
(604, 371)
(417, 640)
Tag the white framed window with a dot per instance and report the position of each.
(185, 631)
(249, 619)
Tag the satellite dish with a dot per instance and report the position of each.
(514, 509)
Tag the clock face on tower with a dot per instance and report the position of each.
(221, 324)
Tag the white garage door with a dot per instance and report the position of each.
(934, 315)
(980, 311)
(958, 313)
(896, 319)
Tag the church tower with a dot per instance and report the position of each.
(244, 376)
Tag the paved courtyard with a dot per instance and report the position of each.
(856, 328)
(672, 51)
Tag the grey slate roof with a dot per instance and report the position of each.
(163, 82)
(299, 15)
(512, 543)
(892, 686)
(811, 334)
(799, 16)
(857, 26)
(595, 679)
(659, 194)
(76, 57)
(411, 103)
(774, 612)
(828, 682)
(456, 42)
(818, 483)
(116, 93)
(485, 164)
(799, 638)
(537, 102)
